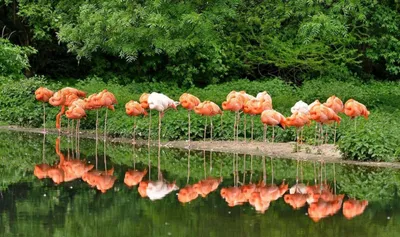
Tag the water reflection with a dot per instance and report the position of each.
(320, 199)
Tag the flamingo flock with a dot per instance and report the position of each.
(237, 102)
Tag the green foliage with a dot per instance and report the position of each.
(13, 58)
(375, 139)
(17, 101)
(201, 42)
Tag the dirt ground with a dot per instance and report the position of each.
(327, 152)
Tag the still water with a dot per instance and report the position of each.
(53, 200)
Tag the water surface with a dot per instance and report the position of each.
(38, 207)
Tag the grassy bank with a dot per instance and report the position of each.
(374, 139)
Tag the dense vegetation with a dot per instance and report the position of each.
(202, 42)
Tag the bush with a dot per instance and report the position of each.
(375, 139)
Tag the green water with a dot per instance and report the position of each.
(33, 207)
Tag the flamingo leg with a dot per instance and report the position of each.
(97, 135)
(272, 171)
(72, 138)
(76, 139)
(204, 163)
(105, 139)
(326, 136)
(159, 128)
(211, 161)
(244, 129)
(205, 129)
(189, 130)
(237, 128)
(79, 149)
(211, 129)
(264, 170)
(149, 135)
(315, 137)
(234, 128)
(188, 173)
(134, 131)
(297, 139)
(159, 174)
(252, 127)
(244, 169)
(44, 118)
(334, 136)
(301, 135)
(322, 134)
(44, 144)
(251, 168)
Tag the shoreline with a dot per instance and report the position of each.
(326, 152)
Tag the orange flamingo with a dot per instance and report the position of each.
(298, 120)
(134, 177)
(322, 208)
(133, 108)
(296, 200)
(143, 100)
(43, 94)
(189, 102)
(210, 109)
(206, 186)
(336, 105)
(233, 196)
(258, 202)
(353, 109)
(40, 171)
(90, 177)
(272, 118)
(323, 115)
(187, 194)
(353, 208)
(64, 97)
(235, 101)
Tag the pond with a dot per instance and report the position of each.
(65, 205)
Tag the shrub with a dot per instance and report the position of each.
(375, 139)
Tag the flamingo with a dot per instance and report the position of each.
(298, 120)
(187, 194)
(64, 97)
(336, 105)
(143, 100)
(161, 103)
(93, 102)
(108, 101)
(77, 111)
(353, 208)
(210, 109)
(133, 108)
(206, 186)
(156, 190)
(43, 94)
(234, 102)
(272, 118)
(323, 208)
(323, 115)
(188, 102)
(353, 109)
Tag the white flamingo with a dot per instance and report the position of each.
(160, 102)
